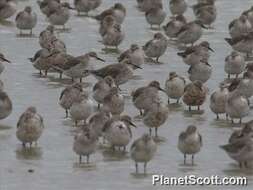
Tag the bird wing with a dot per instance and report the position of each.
(110, 70)
(231, 24)
(66, 90)
(18, 16)
(137, 93)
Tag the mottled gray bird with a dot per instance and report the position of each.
(177, 7)
(234, 64)
(155, 16)
(85, 6)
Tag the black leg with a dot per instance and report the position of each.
(136, 167)
(145, 167)
(192, 159)
(156, 130)
(87, 159)
(150, 131)
(184, 159)
(80, 159)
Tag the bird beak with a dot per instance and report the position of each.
(161, 90)
(203, 26)
(210, 49)
(100, 59)
(132, 124)
(6, 60)
(137, 66)
(69, 7)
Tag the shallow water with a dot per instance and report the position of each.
(53, 165)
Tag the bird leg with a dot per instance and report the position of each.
(217, 117)
(23, 144)
(141, 112)
(156, 129)
(184, 159)
(150, 131)
(168, 100)
(87, 159)
(67, 113)
(136, 167)
(192, 159)
(198, 108)
(190, 109)
(177, 101)
(145, 167)
(98, 105)
(80, 159)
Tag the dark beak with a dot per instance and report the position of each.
(136, 66)
(6, 60)
(203, 26)
(210, 49)
(161, 90)
(100, 59)
(132, 124)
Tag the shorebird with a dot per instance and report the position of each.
(177, 7)
(155, 16)
(201, 71)
(241, 151)
(101, 89)
(7, 9)
(190, 33)
(47, 6)
(234, 64)
(190, 142)
(69, 95)
(196, 53)
(85, 143)
(155, 116)
(81, 108)
(5, 103)
(107, 23)
(74, 67)
(143, 97)
(207, 15)
(145, 5)
(26, 20)
(120, 72)
(97, 120)
(174, 86)
(174, 26)
(237, 104)
(195, 94)
(156, 47)
(135, 54)
(239, 27)
(114, 102)
(201, 4)
(242, 134)
(245, 86)
(3, 60)
(30, 126)
(143, 150)
(243, 44)
(113, 36)
(218, 100)
(61, 15)
(118, 11)
(46, 36)
(117, 131)
(86, 5)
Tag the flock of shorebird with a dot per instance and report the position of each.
(108, 121)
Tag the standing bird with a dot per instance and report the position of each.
(120, 72)
(218, 100)
(177, 7)
(118, 11)
(7, 9)
(174, 86)
(144, 97)
(156, 47)
(47, 6)
(106, 24)
(201, 71)
(196, 53)
(5, 103)
(46, 36)
(86, 5)
(239, 27)
(155, 117)
(101, 89)
(2, 61)
(113, 36)
(174, 26)
(237, 105)
(30, 126)
(85, 143)
(243, 44)
(155, 16)
(61, 15)
(81, 108)
(190, 33)
(69, 95)
(234, 64)
(143, 150)
(117, 131)
(190, 142)
(26, 20)
(114, 102)
(145, 5)
(195, 94)
(135, 54)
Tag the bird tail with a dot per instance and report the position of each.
(30, 59)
